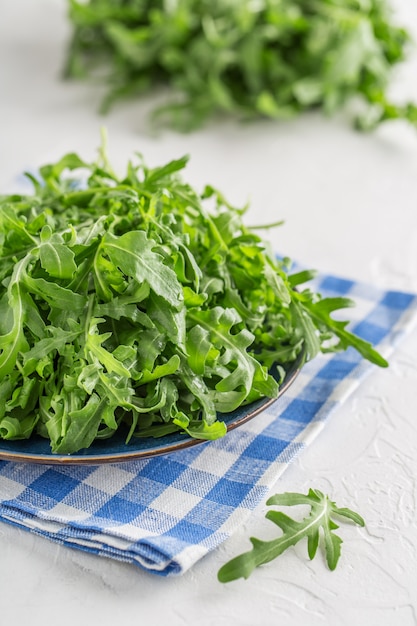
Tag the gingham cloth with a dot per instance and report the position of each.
(166, 513)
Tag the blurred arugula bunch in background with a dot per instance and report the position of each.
(248, 58)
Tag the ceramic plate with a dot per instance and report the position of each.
(115, 450)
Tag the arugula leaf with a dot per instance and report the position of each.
(45, 347)
(133, 253)
(13, 341)
(132, 304)
(56, 258)
(318, 523)
(320, 313)
(264, 59)
(94, 346)
(82, 427)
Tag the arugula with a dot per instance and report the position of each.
(271, 58)
(135, 305)
(318, 522)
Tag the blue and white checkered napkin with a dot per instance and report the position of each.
(166, 513)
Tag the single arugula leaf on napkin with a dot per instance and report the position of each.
(319, 521)
(136, 304)
(250, 59)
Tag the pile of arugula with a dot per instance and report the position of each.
(130, 303)
(273, 58)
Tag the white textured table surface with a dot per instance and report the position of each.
(350, 206)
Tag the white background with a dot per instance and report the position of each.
(349, 202)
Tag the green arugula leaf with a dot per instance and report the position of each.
(82, 427)
(232, 390)
(56, 296)
(200, 350)
(93, 345)
(13, 341)
(307, 329)
(320, 312)
(202, 430)
(319, 520)
(57, 259)
(159, 173)
(56, 342)
(133, 253)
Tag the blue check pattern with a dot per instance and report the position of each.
(166, 513)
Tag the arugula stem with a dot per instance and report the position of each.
(266, 226)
